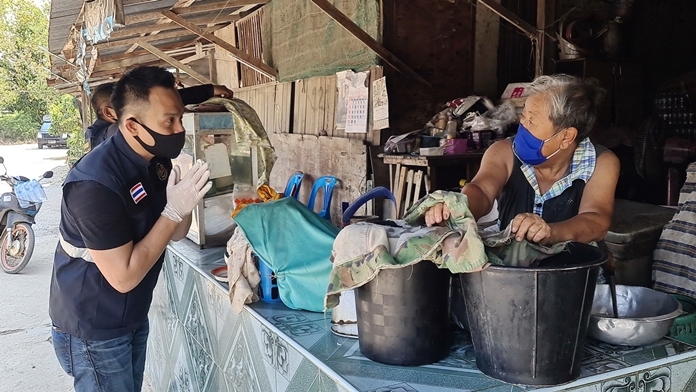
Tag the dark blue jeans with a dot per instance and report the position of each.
(106, 365)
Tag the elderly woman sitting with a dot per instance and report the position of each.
(551, 182)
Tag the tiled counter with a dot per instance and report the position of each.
(198, 344)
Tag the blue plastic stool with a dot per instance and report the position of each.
(327, 183)
(292, 189)
(268, 288)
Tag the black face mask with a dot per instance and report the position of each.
(166, 146)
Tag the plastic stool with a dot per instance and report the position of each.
(268, 288)
(292, 189)
(327, 183)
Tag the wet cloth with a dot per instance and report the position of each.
(242, 275)
(674, 258)
(362, 249)
(296, 244)
(503, 249)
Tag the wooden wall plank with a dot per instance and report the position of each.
(317, 156)
(314, 115)
(273, 114)
(249, 32)
(337, 132)
(331, 92)
(373, 136)
(300, 107)
(321, 107)
(226, 64)
(283, 106)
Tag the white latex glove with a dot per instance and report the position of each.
(183, 196)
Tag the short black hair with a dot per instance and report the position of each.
(100, 95)
(135, 85)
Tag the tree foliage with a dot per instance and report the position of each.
(24, 67)
(18, 127)
(65, 119)
(65, 116)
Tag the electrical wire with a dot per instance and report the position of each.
(216, 17)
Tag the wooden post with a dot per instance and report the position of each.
(85, 108)
(243, 57)
(171, 60)
(536, 35)
(212, 66)
(546, 11)
(417, 179)
(400, 191)
(409, 187)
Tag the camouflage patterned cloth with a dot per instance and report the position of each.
(248, 129)
(361, 250)
(503, 249)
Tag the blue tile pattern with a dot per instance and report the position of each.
(198, 344)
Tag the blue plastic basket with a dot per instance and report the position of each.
(268, 289)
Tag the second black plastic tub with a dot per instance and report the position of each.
(528, 325)
(403, 315)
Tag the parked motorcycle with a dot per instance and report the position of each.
(17, 211)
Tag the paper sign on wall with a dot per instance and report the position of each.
(380, 104)
(350, 85)
(218, 160)
(356, 114)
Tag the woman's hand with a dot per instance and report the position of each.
(437, 214)
(532, 228)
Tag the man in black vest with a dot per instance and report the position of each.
(106, 115)
(105, 125)
(122, 204)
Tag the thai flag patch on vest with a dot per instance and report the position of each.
(137, 192)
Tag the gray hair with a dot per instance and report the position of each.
(573, 102)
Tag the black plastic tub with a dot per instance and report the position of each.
(528, 325)
(403, 315)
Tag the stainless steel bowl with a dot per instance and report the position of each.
(645, 315)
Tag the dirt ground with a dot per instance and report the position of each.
(27, 360)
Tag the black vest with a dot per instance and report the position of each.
(82, 302)
(96, 133)
(518, 197)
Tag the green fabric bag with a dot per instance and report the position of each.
(296, 244)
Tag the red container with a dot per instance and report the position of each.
(456, 146)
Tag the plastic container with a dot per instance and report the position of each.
(268, 288)
(456, 146)
(403, 315)
(430, 141)
(528, 325)
(684, 327)
(632, 237)
(431, 151)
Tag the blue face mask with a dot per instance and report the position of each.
(527, 147)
